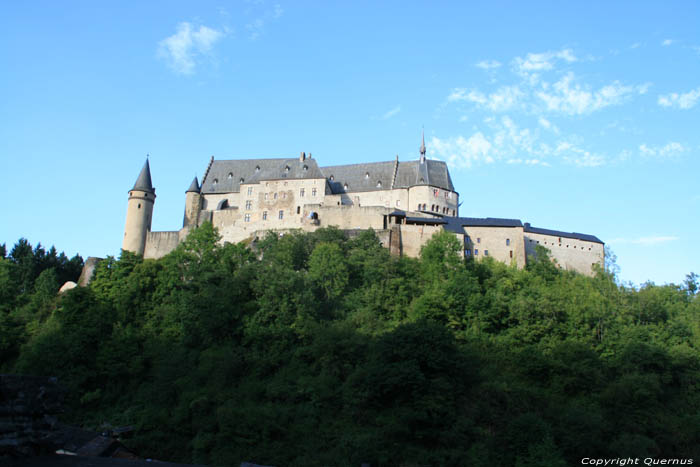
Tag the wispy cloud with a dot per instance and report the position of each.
(684, 101)
(187, 46)
(672, 149)
(543, 61)
(667, 42)
(488, 64)
(571, 98)
(461, 151)
(503, 99)
(257, 26)
(391, 113)
(646, 241)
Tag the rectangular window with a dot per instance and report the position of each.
(250, 190)
(313, 192)
(264, 215)
(301, 192)
(476, 252)
(486, 252)
(248, 205)
(478, 239)
(398, 203)
(467, 252)
(280, 215)
(507, 241)
(247, 217)
(511, 253)
(266, 196)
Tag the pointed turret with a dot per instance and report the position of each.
(422, 148)
(194, 186)
(139, 212)
(143, 183)
(193, 204)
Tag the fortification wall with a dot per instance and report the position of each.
(159, 244)
(413, 237)
(352, 217)
(505, 244)
(570, 253)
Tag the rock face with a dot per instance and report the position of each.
(88, 271)
(67, 286)
(28, 409)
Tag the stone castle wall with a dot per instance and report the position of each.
(570, 253)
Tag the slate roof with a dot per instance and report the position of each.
(194, 186)
(557, 233)
(229, 174)
(143, 182)
(408, 174)
(359, 177)
(457, 224)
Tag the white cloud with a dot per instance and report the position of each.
(684, 101)
(391, 112)
(646, 241)
(504, 98)
(669, 150)
(183, 49)
(463, 152)
(667, 42)
(488, 64)
(578, 156)
(571, 98)
(277, 11)
(543, 61)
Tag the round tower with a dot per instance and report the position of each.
(193, 204)
(139, 212)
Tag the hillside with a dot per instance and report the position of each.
(317, 349)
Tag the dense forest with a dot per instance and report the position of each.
(318, 349)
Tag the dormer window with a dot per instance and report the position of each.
(379, 183)
(216, 180)
(230, 175)
(242, 180)
(366, 175)
(332, 178)
(286, 168)
(422, 180)
(345, 187)
(257, 168)
(306, 167)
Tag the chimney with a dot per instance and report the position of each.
(302, 156)
(309, 155)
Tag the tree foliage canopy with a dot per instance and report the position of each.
(318, 349)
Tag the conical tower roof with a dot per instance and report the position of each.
(194, 186)
(143, 183)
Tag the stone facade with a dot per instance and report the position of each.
(404, 202)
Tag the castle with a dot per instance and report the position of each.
(404, 202)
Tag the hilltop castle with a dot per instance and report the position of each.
(404, 202)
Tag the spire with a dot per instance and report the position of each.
(143, 183)
(422, 148)
(194, 186)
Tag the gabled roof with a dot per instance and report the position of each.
(365, 177)
(194, 186)
(230, 174)
(143, 182)
(557, 233)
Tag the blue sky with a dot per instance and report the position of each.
(572, 116)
